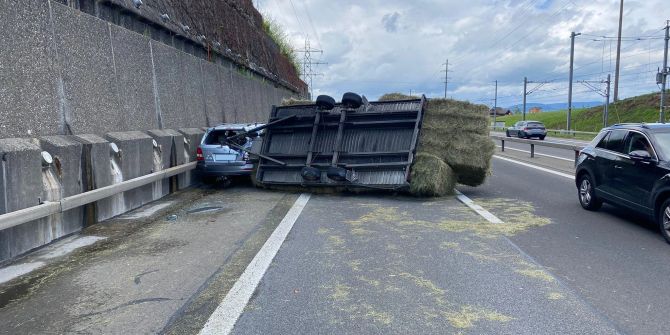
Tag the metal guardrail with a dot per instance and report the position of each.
(533, 143)
(555, 131)
(13, 219)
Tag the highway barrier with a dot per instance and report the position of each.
(567, 146)
(54, 186)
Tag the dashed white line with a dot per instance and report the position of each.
(226, 314)
(539, 154)
(479, 209)
(565, 175)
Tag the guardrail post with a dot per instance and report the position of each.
(532, 150)
(502, 146)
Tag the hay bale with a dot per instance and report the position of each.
(456, 116)
(430, 176)
(395, 96)
(468, 155)
(295, 102)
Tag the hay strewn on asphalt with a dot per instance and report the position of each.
(431, 176)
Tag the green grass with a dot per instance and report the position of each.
(643, 108)
(277, 34)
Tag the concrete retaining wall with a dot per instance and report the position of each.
(82, 163)
(66, 72)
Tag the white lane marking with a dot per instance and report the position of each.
(226, 314)
(479, 209)
(565, 175)
(539, 154)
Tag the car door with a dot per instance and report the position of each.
(638, 177)
(518, 127)
(609, 151)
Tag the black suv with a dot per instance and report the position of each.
(628, 165)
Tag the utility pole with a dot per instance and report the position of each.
(525, 85)
(572, 62)
(618, 55)
(664, 73)
(605, 94)
(308, 72)
(607, 102)
(526, 92)
(495, 106)
(446, 77)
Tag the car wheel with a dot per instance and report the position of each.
(507, 133)
(587, 195)
(541, 138)
(664, 220)
(521, 135)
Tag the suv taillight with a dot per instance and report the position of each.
(198, 155)
(525, 128)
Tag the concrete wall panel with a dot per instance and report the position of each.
(87, 71)
(193, 138)
(167, 141)
(134, 80)
(67, 156)
(97, 173)
(28, 95)
(214, 100)
(227, 94)
(136, 160)
(20, 187)
(167, 66)
(194, 99)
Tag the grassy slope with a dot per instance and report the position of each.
(643, 108)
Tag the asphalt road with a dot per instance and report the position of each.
(614, 260)
(362, 264)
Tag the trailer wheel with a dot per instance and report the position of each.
(352, 100)
(325, 102)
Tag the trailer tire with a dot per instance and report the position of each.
(325, 102)
(352, 100)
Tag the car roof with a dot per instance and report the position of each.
(639, 126)
(236, 126)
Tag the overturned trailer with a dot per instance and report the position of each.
(350, 145)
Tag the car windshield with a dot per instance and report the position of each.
(663, 142)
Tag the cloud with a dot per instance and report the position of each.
(390, 22)
(376, 46)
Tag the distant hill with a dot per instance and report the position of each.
(557, 106)
(643, 108)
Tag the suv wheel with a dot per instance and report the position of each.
(664, 220)
(587, 195)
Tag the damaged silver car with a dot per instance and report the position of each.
(224, 151)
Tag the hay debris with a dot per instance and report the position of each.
(431, 176)
(295, 102)
(395, 96)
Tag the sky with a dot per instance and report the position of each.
(381, 46)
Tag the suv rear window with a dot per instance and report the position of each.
(217, 136)
(536, 124)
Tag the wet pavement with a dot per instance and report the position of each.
(145, 271)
